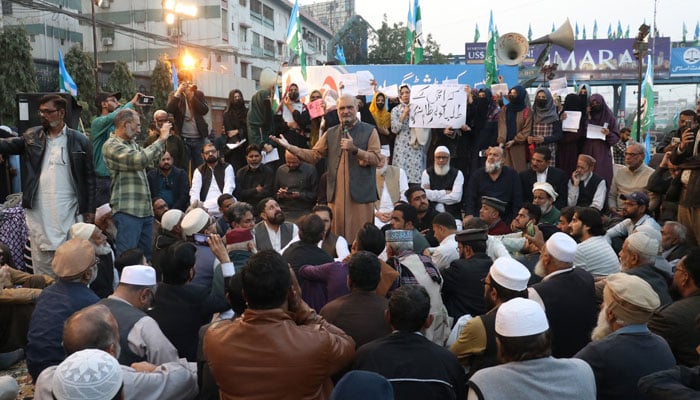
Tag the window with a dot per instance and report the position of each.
(243, 3)
(244, 70)
(280, 46)
(269, 47)
(268, 15)
(257, 50)
(6, 7)
(242, 34)
(256, 10)
(224, 24)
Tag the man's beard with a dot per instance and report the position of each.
(165, 167)
(488, 302)
(492, 167)
(278, 218)
(545, 208)
(539, 269)
(602, 328)
(102, 249)
(583, 178)
(49, 125)
(623, 266)
(441, 170)
(674, 292)
(211, 159)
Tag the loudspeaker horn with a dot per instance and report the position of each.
(511, 49)
(564, 37)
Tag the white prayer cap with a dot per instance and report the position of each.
(643, 244)
(520, 317)
(509, 273)
(82, 230)
(545, 187)
(87, 375)
(102, 210)
(141, 275)
(441, 149)
(195, 220)
(171, 218)
(651, 232)
(562, 247)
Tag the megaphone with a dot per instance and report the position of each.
(511, 49)
(564, 37)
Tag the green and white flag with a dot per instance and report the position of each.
(295, 39)
(476, 33)
(410, 27)
(647, 116)
(490, 58)
(418, 34)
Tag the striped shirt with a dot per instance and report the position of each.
(126, 162)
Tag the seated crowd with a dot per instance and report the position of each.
(539, 270)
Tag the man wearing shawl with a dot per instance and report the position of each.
(514, 126)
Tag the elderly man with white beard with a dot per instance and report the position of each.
(443, 184)
(638, 256)
(392, 184)
(623, 349)
(567, 294)
(494, 180)
(107, 277)
(544, 196)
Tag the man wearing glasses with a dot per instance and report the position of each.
(210, 180)
(58, 180)
(632, 177)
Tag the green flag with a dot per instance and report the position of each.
(294, 37)
(418, 35)
(685, 31)
(529, 33)
(476, 33)
(490, 58)
(410, 27)
(647, 116)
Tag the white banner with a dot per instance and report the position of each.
(438, 106)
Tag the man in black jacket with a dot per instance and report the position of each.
(169, 183)
(58, 179)
(539, 166)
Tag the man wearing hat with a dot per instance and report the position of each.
(140, 336)
(443, 184)
(170, 232)
(567, 295)
(541, 171)
(95, 328)
(417, 269)
(75, 267)
(416, 368)
(462, 289)
(528, 370)
(634, 210)
(88, 374)
(197, 221)
(638, 256)
(103, 126)
(126, 162)
(476, 345)
(544, 196)
(633, 177)
(392, 185)
(676, 322)
(444, 228)
(491, 211)
(107, 275)
(623, 349)
(586, 188)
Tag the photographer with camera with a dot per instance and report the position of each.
(686, 119)
(687, 159)
(188, 107)
(126, 162)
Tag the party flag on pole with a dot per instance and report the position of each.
(65, 81)
(490, 59)
(295, 39)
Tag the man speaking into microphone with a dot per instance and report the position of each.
(352, 149)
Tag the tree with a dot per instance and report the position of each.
(80, 66)
(17, 73)
(353, 38)
(121, 80)
(431, 51)
(389, 47)
(161, 83)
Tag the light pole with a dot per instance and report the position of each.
(175, 11)
(641, 48)
(94, 45)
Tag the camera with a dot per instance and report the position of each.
(145, 100)
(200, 239)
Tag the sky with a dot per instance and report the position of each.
(451, 22)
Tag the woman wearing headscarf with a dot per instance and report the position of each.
(379, 107)
(546, 126)
(600, 114)
(235, 130)
(569, 146)
(514, 126)
(409, 148)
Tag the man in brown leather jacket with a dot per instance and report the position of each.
(280, 348)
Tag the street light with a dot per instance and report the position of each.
(175, 11)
